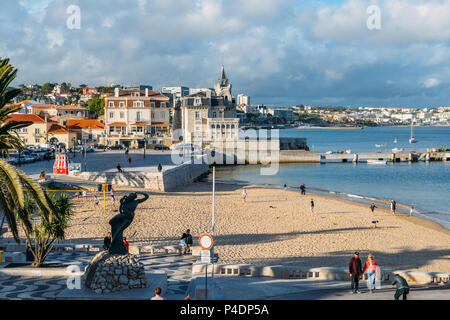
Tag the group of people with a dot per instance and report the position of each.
(356, 271)
(107, 242)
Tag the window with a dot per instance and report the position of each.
(138, 104)
(163, 105)
(152, 104)
(197, 115)
(122, 104)
(111, 115)
(138, 116)
(121, 115)
(163, 115)
(24, 130)
(111, 104)
(153, 115)
(37, 140)
(214, 114)
(37, 131)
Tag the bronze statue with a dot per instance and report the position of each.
(122, 220)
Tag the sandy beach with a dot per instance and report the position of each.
(275, 226)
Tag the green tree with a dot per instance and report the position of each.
(96, 107)
(46, 88)
(43, 229)
(14, 184)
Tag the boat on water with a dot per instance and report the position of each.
(380, 145)
(376, 161)
(395, 150)
(395, 140)
(412, 139)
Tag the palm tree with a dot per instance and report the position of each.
(42, 230)
(12, 180)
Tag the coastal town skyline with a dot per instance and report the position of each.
(320, 53)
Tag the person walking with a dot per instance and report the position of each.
(244, 195)
(113, 202)
(303, 189)
(157, 294)
(125, 242)
(355, 271)
(129, 161)
(312, 206)
(411, 210)
(119, 169)
(402, 287)
(393, 206)
(372, 272)
(372, 207)
(107, 241)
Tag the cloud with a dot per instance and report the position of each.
(431, 82)
(279, 52)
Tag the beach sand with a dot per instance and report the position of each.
(274, 227)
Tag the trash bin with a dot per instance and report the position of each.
(99, 187)
(109, 187)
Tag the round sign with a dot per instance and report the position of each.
(206, 241)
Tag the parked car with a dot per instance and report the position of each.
(90, 149)
(76, 149)
(116, 147)
(161, 147)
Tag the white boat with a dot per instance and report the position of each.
(380, 145)
(376, 161)
(395, 140)
(397, 150)
(412, 139)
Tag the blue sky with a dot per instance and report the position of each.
(280, 52)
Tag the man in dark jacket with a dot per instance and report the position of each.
(402, 287)
(107, 242)
(355, 271)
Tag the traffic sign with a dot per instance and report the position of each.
(206, 241)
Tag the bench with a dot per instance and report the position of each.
(167, 248)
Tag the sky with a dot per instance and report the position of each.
(279, 52)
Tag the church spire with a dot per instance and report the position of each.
(223, 80)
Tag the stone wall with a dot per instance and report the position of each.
(166, 180)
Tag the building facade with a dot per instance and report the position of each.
(133, 116)
(208, 116)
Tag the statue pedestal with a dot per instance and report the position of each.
(108, 273)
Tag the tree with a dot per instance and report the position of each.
(96, 107)
(42, 233)
(14, 184)
(46, 88)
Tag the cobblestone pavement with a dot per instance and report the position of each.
(34, 287)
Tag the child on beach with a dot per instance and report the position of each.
(113, 201)
(95, 202)
(372, 207)
(84, 195)
(244, 195)
(312, 205)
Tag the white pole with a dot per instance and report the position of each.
(213, 226)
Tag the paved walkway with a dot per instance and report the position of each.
(280, 289)
(31, 286)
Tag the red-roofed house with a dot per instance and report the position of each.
(90, 131)
(42, 131)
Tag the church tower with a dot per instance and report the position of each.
(223, 87)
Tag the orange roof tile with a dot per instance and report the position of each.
(118, 124)
(140, 124)
(25, 117)
(84, 124)
(56, 128)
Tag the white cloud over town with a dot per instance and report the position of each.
(279, 52)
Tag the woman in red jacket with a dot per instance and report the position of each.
(372, 271)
